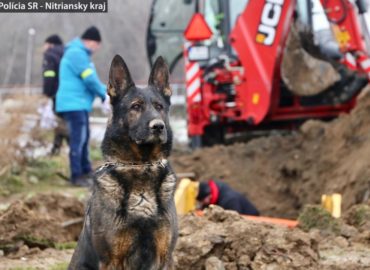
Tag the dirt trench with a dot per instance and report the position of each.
(281, 174)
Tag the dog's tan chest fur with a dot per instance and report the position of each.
(141, 204)
(142, 190)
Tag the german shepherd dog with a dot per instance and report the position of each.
(130, 220)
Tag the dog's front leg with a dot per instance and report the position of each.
(84, 256)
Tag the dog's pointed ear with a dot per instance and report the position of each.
(159, 77)
(119, 78)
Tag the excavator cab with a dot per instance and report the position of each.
(167, 21)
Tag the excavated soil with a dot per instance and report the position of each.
(219, 240)
(280, 174)
(40, 222)
(37, 259)
(225, 240)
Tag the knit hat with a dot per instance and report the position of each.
(54, 39)
(203, 191)
(91, 33)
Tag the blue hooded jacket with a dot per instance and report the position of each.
(79, 83)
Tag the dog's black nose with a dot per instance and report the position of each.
(156, 125)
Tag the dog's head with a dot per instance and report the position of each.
(140, 115)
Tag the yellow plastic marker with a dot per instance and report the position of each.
(185, 196)
(332, 203)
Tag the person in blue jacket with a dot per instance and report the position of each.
(79, 84)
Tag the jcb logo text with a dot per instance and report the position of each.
(270, 18)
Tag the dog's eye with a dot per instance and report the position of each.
(136, 107)
(158, 106)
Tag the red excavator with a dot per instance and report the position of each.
(233, 53)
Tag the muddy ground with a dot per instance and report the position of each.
(33, 234)
(281, 174)
(40, 221)
(225, 240)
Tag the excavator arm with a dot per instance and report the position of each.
(258, 37)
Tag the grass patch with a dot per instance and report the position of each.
(11, 183)
(23, 268)
(42, 173)
(66, 245)
(60, 266)
(43, 169)
(32, 241)
(316, 217)
(95, 153)
(358, 215)
(34, 175)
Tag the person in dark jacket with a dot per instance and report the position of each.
(218, 193)
(79, 84)
(53, 52)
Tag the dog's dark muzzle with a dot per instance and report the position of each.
(156, 127)
(157, 131)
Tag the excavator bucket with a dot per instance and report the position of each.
(302, 73)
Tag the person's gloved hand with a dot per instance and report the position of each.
(106, 108)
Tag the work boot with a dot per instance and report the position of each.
(83, 181)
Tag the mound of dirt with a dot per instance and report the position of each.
(225, 240)
(42, 260)
(219, 240)
(280, 174)
(40, 222)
